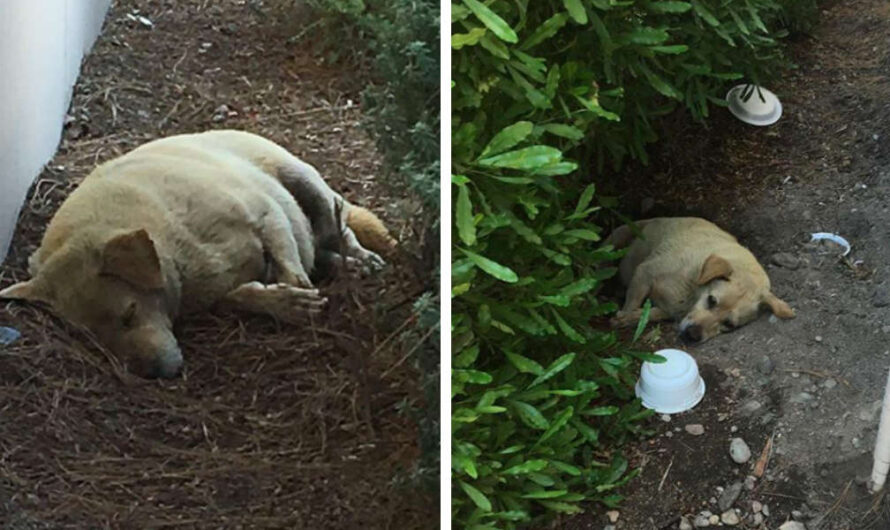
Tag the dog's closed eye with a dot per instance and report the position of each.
(712, 301)
(728, 324)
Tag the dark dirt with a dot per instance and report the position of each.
(825, 166)
(270, 426)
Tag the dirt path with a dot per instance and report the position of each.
(813, 383)
(270, 427)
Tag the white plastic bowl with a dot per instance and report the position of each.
(755, 111)
(673, 386)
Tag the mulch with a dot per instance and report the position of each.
(270, 425)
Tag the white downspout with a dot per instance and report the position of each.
(882, 445)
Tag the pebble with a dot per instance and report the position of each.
(714, 519)
(881, 297)
(793, 525)
(729, 496)
(609, 527)
(829, 383)
(765, 510)
(756, 506)
(739, 451)
(750, 482)
(818, 338)
(785, 260)
(665, 417)
(733, 429)
(701, 521)
(758, 519)
(685, 524)
(695, 429)
(613, 515)
(766, 365)
(803, 397)
(750, 407)
(730, 518)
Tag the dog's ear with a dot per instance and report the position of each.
(779, 307)
(132, 257)
(31, 290)
(714, 267)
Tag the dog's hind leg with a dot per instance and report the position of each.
(284, 302)
(279, 237)
(640, 288)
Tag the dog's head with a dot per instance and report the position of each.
(727, 299)
(116, 291)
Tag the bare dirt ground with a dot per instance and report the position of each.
(813, 384)
(270, 426)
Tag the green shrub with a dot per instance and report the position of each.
(399, 41)
(541, 399)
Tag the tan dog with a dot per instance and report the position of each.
(188, 222)
(694, 273)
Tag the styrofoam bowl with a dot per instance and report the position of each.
(754, 111)
(673, 386)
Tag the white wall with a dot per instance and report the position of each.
(41, 45)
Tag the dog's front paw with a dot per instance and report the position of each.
(370, 263)
(623, 319)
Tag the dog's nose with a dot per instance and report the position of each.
(692, 333)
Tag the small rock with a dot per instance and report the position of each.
(730, 518)
(750, 407)
(685, 524)
(714, 519)
(729, 496)
(758, 519)
(785, 260)
(613, 515)
(733, 429)
(765, 510)
(669, 434)
(869, 412)
(818, 338)
(609, 527)
(881, 296)
(803, 397)
(829, 383)
(793, 525)
(665, 417)
(766, 365)
(739, 451)
(756, 506)
(701, 521)
(695, 429)
(750, 482)
(796, 514)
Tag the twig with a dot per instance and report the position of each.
(665, 476)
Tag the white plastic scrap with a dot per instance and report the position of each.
(832, 237)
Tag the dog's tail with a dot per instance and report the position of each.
(370, 230)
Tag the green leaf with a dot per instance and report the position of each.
(660, 84)
(467, 357)
(567, 330)
(561, 507)
(466, 228)
(502, 273)
(669, 7)
(507, 138)
(544, 494)
(582, 233)
(534, 157)
(586, 197)
(576, 10)
(648, 36)
(557, 424)
(529, 466)
(564, 131)
(601, 411)
(555, 367)
(478, 498)
(459, 40)
(524, 364)
(704, 13)
(531, 416)
(581, 286)
(675, 49)
(644, 319)
(492, 21)
(548, 29)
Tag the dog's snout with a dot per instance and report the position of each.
(692, 333)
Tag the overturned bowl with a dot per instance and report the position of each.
(755, 111)
(673, 386)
